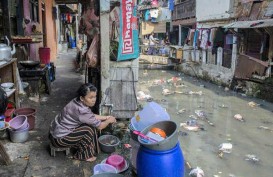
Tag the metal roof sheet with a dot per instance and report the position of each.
(250, 24)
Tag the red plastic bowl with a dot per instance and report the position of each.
(117, 161)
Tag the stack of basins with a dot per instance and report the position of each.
(155, 156)
(19, 129)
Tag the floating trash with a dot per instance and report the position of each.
(223, 106)
(181, 85)
(196, 93)
(178, 92)
(190, 128)
(225, 147)
(191, 123)
(181, 111)
(265, 128)
(239, 117)
(252, 158)
(197, 172)
(200, 114)
(145, 73)
(252, 104)
(159, 82)
(166, 92)
(142, 96)
(181, 133)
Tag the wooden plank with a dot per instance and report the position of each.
(8, 74)
(269, 10)
(4, 155)
(104, 38)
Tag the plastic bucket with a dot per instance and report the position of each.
(169, 142)
(151, 113)
(44, 54)
(18, 123)
(104, 168)
(153, 163)
(19, 136)
(30, 113)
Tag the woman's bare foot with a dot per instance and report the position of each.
(92, 159)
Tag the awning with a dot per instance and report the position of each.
(184, 22)
(250, 24)
(148, 28)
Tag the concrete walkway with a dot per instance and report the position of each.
(32, 158)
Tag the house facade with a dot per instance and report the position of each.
(232, 41)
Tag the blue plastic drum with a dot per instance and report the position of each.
(169, 163)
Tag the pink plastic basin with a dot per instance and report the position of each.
(117, 161)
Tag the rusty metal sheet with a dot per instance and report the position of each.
(247, 66)
(246, 1)
(251, 24)
(244, 10)
(255, 10)
(269, 10)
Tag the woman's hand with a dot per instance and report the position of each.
(111, 119)
(107, 120)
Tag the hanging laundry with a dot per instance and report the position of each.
(195, 39)
(154, 20)
(154, 2)
(63, 17)
(68, 18)
(171, 5)
(73, 19)
(211, 37)
(147, 15)
(218, 40)
(191, 37)
(154, 13)
(229, 39)
(204, 39)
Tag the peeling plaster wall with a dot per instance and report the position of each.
(50, 30)
(212, 10)
(215, 73)
(51, 39)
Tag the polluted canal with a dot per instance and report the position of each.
(221, 133)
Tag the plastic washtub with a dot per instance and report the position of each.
(104, 168)
(151, 113)
(18, 123)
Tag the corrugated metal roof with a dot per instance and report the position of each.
(250, 24)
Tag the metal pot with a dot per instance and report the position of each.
(168, 143)
(108, 143)
(5, 50)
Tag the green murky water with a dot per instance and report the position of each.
(201, 148)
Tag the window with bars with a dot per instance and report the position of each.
(34, 10)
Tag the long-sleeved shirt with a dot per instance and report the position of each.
(72, 116)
